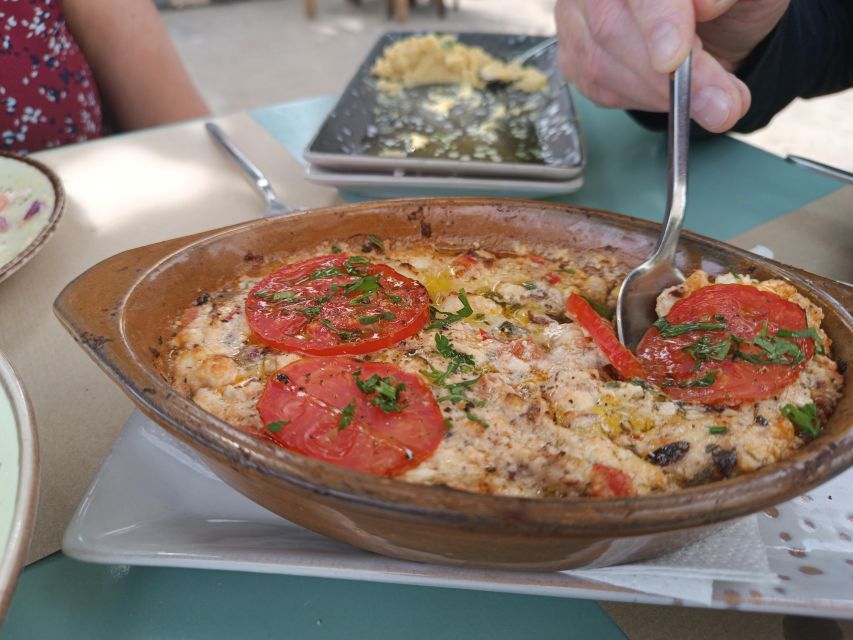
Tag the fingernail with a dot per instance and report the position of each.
(712, 107)
(664, 43)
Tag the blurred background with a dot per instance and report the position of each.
(248, 53)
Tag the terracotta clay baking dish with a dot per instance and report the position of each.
(121, 311)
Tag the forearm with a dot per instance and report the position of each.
(139, 73)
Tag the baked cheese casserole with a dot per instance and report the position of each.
(501, 373)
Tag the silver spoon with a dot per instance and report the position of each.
(635, 307)
(275, 207)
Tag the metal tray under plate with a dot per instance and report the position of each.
(351, 136)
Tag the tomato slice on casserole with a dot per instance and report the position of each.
(727, 344)
(368, 416)
(604, 335)
(334, 305)
(609, 482)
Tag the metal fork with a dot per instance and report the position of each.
(521, 59)
(275, 207)
(635, 307)
(525, 56)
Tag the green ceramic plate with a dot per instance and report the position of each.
(31, 202)
(18, 479)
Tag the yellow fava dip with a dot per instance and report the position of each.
(434, 59)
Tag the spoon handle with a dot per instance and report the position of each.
(678, 142)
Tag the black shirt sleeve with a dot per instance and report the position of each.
(809, 53)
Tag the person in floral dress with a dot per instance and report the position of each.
(75, 70)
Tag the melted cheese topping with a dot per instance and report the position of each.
(545, 410)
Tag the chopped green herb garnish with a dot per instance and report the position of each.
(703, 350)
(805, 333)
(456, 392)
(776, 350)
(668, 330)
(458, 362)
(333, 291)
(601, 309)
(705, 381)
(451, 316)
(354, 264)
(276, 426)
(346, 336)
(477, 419)
(364, 286)
(336, 249)
(437, 376)
(641, 383)
(803, 418)
(528, 285)
(717, 429)
(494, 296)
(779, 351)
(323, 273)
(566, 270)
(448, 424)
(737, 276)
(375, 241)
(508, 328)
(310, 311)
(346, 416)
(385, 315)
(749, 357)
(445, 348)
(809, 332)
(278, 296)
(387, 390)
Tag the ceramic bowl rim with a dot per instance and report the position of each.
(689, 507)
(25, 255)
(26, 499)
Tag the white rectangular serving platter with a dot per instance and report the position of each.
(154, 503)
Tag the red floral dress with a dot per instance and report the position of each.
(48, 95)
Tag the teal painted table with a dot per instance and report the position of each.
(734, 188)
(62, 598)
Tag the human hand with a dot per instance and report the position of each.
(619, 52)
